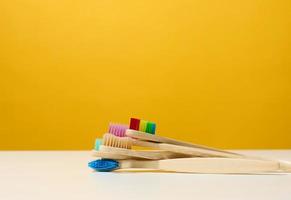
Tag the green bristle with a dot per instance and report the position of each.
(150, 128)
(98, 142)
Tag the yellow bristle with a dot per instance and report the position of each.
(142, 125)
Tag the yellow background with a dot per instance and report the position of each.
(211, 72)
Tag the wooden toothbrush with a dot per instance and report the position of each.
(126, 143)
(148, 140)
(116, 147)
(196, 165)
(184, 147)
(161, 143)
(145, 130)
(141, 138)
(164, 140)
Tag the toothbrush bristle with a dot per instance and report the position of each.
(117, 129)
(151, 128)
(134, 124)
(142, 125)
(115, 141)
(98, 142)
(104, 165)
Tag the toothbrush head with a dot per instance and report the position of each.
(117, 129)
(142, 125)
(115, 141)
(98, 142)
(104, 165)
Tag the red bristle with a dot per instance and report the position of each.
(134, 124)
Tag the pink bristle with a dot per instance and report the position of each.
(117, 129)
(120, 131)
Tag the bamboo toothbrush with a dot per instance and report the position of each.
(121, 131)
(196, 165)
(121, 146)
(137, 131)
(159, 139)
(188, 149)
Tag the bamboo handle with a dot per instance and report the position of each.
(218, 165)
(191, 151)
(154, 138)
(285, 166)
(206, 165)
(149, 154)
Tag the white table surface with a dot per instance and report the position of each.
(54, 175)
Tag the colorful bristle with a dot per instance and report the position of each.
(98, 142)
(104, 165)
(117, 129)
(151, 128)
(142, 125)
(134, 124)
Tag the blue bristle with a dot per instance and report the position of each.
(104, 165)
(153, 129)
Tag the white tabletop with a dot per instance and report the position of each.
(53, 175)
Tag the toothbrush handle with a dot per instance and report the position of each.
(190, 151)
(209, 165)
(285, 166)
(154, 138)
(168, 144)
(219, 165)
